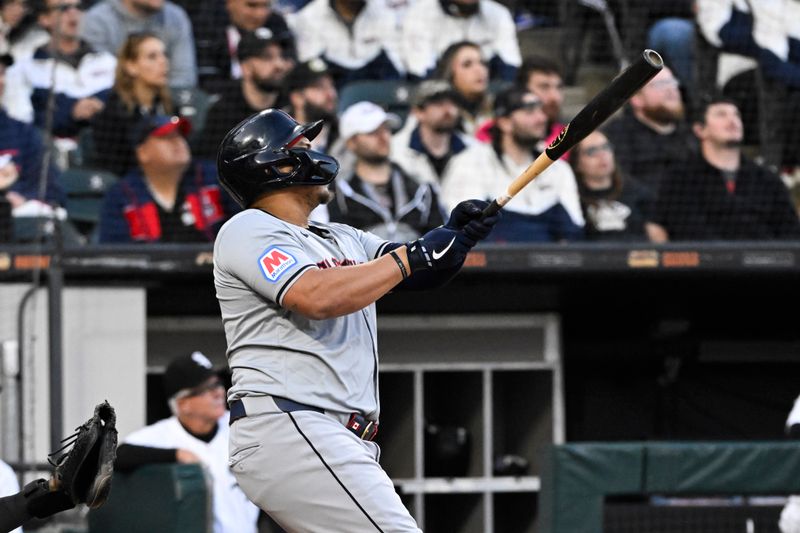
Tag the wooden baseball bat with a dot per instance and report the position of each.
(586, 121)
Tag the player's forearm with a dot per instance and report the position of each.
(328, 293)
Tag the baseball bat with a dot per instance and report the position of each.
(586, 121)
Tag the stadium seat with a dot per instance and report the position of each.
(162, 498)
(391, 95)
(85, 190)
(193, 103)
(43, 229)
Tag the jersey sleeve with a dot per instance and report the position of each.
(374, 246)
(268, 260)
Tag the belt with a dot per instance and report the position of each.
(357, 424)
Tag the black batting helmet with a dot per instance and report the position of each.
(257, 157)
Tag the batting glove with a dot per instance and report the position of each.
(439, 249)
(467, 215)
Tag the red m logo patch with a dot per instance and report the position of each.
(275, 262)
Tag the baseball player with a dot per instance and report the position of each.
(297, 299)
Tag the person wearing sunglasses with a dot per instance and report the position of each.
(83, 76)
(615, 207)
(197, 432)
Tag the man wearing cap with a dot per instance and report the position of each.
(218, 32)
(21, 156)
(197, 432)
(264, 65)
(83, 77)
(377, 195)
(426, 147)
(107, 25)
(548, 209)
(312, 96)
(167, 198)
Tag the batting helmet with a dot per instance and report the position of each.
(257, 157)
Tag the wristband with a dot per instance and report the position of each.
(400, 264)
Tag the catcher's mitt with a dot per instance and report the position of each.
(84, 472)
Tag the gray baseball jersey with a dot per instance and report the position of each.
(331, 364)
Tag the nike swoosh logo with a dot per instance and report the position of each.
(437, 255)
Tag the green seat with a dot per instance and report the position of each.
(393, 96)
(85, 189)
(159, 498)
(32, 229)
(193, 103)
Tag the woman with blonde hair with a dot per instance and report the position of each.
(140, 89)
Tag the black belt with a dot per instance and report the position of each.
(357, 424)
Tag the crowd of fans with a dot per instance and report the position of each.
(94, 85)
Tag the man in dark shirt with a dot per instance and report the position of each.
(313, 96)
(652, 131)
(217, 36)
(167, 198)
(264, 66)
(719, 193)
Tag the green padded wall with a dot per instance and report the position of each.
(577, 477)
(169, 498)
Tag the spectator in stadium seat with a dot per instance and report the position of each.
(108, 24)
(430, 26)
(217, 38)
(167, 198)
(721, 194)
(653, 131)
(461, 65)
(542, 77)
(21, 155)
(357, 39)
(547, 210)
(426, 148)
(377, 195)
(83, 76)
(140, 89)
(197, 432)
(264, 67)
(19, 33)
(768, 35)
(313, 96)
(615, 207)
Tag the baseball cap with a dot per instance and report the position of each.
(159, 126)
(365, 117)
(253, 43)
(186, 372)
(6, 60)
(430, 90)
(306, 74)
(512, 99)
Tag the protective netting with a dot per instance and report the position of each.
(93, 83)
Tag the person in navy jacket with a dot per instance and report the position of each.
(167, 198)
(21, 156)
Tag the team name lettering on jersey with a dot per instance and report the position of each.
(274, 262)
(333, 262)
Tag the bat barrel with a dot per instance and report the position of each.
(606, 103)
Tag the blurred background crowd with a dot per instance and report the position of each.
(112, 112)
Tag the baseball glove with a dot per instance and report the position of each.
(84, 472)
